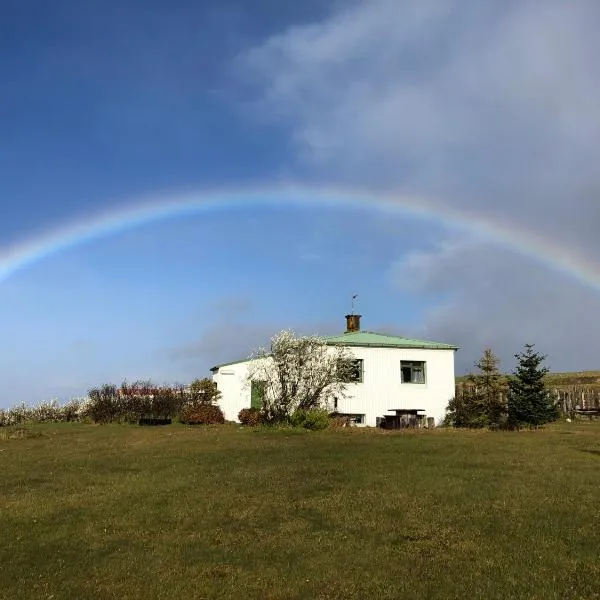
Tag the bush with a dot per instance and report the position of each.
(250, 417)
(314, 420)
(338, 421)
(104, 404)
(202, 414)
(134, 401)
(203, 391)
(45, 412)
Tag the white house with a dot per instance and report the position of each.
(393, 374)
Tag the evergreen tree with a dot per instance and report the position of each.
(529, 402)
(480, 402)
(491, 387)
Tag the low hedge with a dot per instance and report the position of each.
(250, 416)
(202, 414)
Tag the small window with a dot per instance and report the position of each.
(354, 418)
(353, 371)
(412, 371)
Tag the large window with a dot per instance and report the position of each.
(412, 371)
(353, 371)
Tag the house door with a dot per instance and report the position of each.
(257, 393)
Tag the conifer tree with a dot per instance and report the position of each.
(480, 403)
(491, 387)
(529, 402)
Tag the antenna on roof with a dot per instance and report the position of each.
(353, 302)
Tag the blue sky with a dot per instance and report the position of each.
(489, 109)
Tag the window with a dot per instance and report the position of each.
(354, 419)
(412, 371)
(353, 371)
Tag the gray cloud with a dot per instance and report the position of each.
(487, 107)
(490, 107)
(499, 299)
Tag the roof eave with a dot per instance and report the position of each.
(399, 346)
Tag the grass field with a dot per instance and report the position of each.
(179, 512)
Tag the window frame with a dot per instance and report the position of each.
(422, 364)
(361, 367)
(355, 418)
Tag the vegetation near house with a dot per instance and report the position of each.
(203, 391)
(314, 419)
(490, 399)
(202, 414)
(480, 401)
(250, 416)
(132, 402)
(529, 402)
(298, 373)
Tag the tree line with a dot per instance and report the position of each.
(490, 399)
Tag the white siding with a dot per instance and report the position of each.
(232, 382)
(381, 388)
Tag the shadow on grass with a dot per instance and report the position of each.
(590, 451)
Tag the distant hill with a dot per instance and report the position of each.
(588, 379)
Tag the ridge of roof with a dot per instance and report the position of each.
(367, 339)
(375, 339)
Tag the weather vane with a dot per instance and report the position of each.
(353, 301)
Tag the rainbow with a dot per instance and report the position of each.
(149, 210)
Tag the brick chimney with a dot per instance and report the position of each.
(352, 323)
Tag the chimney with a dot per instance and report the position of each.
(352, 323)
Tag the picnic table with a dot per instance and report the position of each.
(404, 417)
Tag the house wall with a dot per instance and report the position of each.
(380, 390)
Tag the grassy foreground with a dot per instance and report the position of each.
(181, 512)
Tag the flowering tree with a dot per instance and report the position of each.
(298, 373)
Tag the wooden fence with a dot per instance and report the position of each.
(570, 398)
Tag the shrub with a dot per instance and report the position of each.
(337, 421)
(314, 420)
(249, 416)
(203, 391)
(104, 406)
(202, 414)
(134, 401)
(45, 412)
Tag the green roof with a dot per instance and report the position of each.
(231, 362)
(367, 339)
(381, 340)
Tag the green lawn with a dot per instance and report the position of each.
(180, 512)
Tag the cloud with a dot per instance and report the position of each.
(489, 107)
(498, 299)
